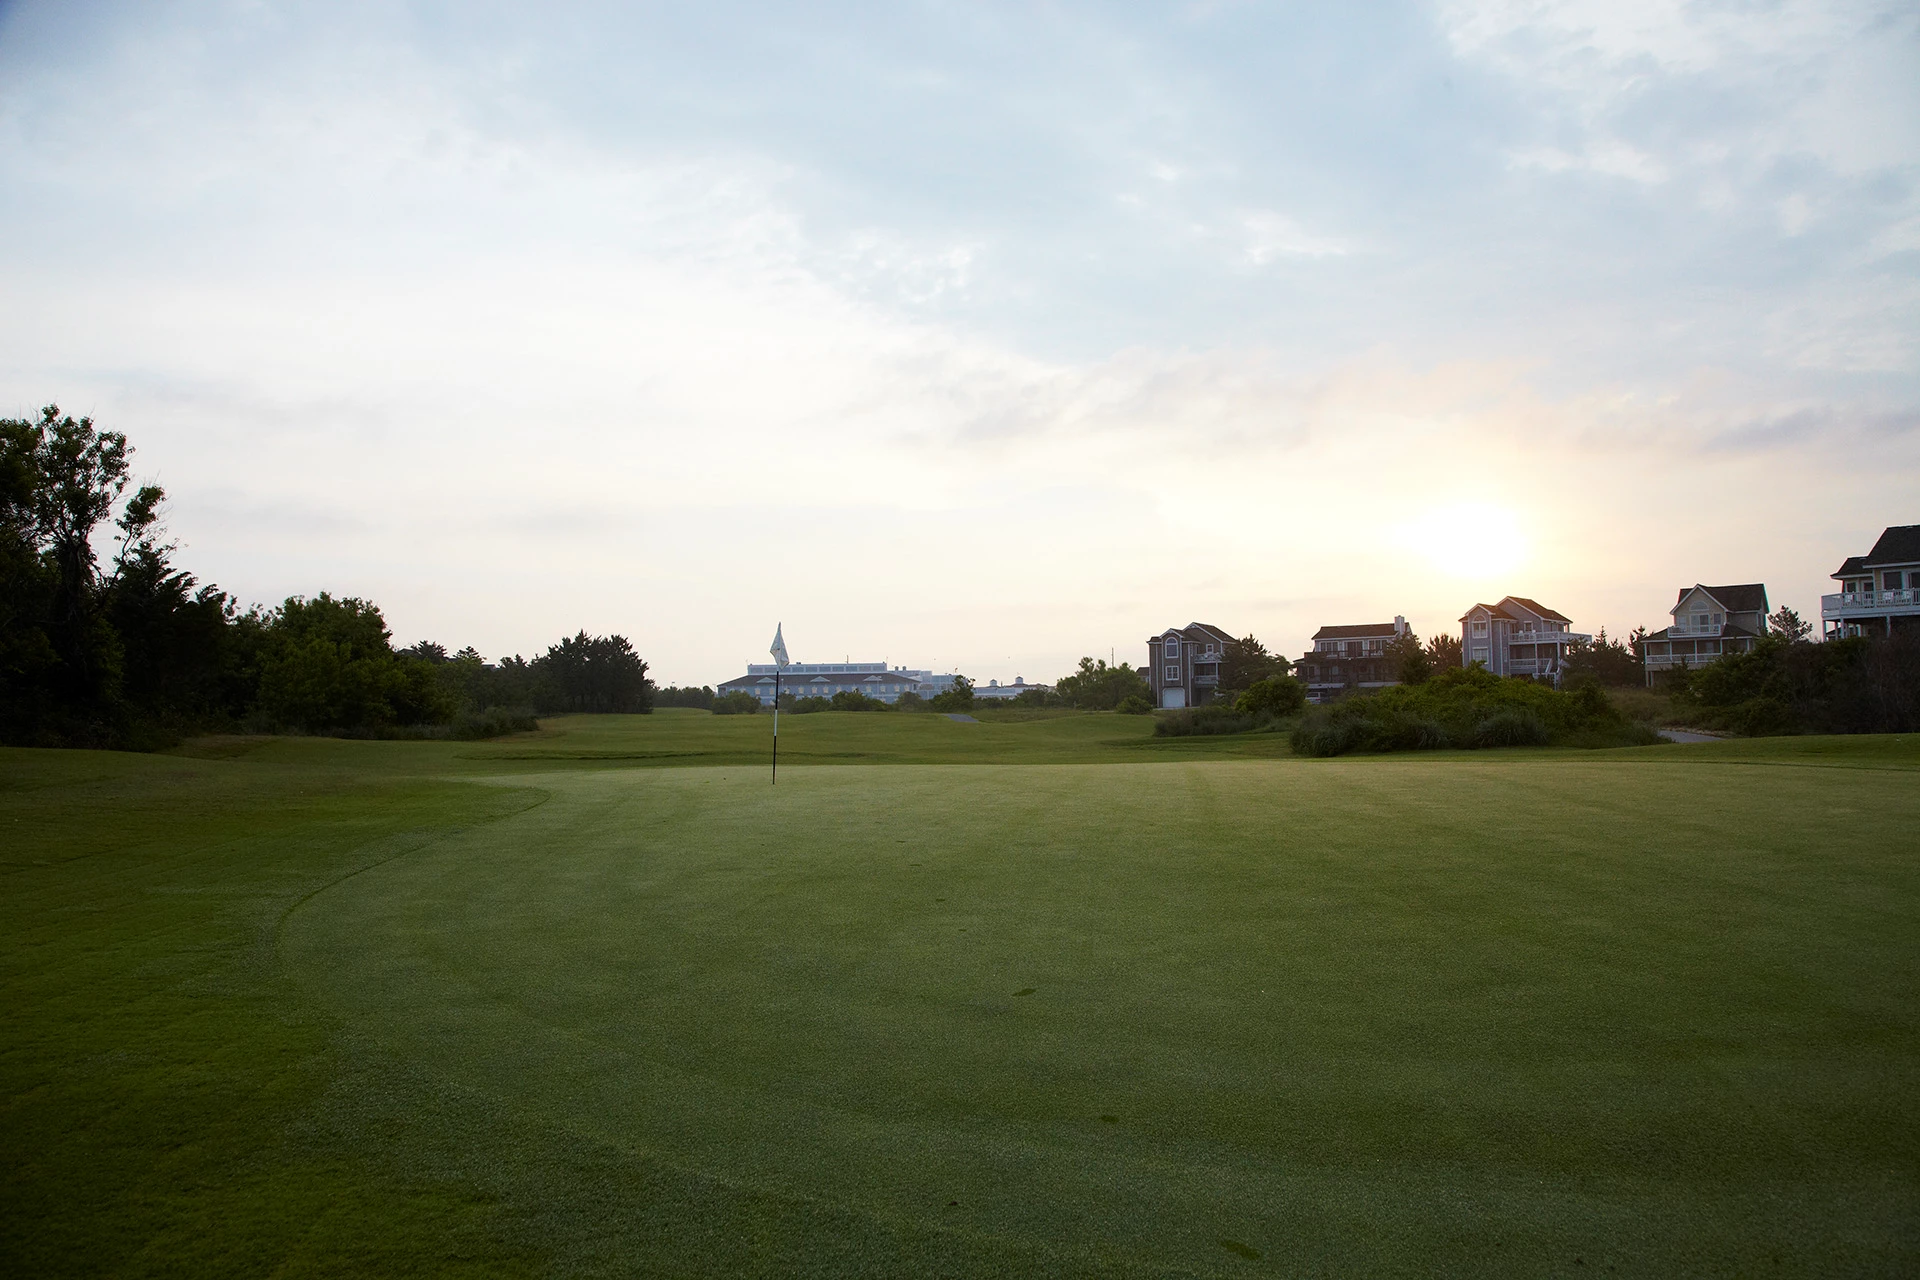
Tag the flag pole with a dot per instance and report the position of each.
(780, 660)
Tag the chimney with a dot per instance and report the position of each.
(1399, 625)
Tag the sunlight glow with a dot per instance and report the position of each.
(1471, 541)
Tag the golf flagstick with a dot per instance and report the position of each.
(780, 660)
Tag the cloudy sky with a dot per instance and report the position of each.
(976, 335)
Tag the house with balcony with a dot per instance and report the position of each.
(1183, 664)
(1708, 623)
(1350, 657)
(1518, 637)
(1878, 591)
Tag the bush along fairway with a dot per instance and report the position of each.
(1467, 708)
(555, 1006)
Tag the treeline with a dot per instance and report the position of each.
(135, 652)
(1862, 684)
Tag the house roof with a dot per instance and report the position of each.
(1493, 609)
(1900, 544)
(1193, 631)
(1849, 567)
(1355, 631)
(1729, 630)
(1748, 597)
(1537, 609)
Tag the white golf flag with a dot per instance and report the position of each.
(779, 650)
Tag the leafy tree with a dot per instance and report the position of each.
(1244, 662)
(1276, 696)
(737, 702)
(91, 658)
(809, 705)
(1135, 705)
(673, 696)
(1095, 686)
(958, 697)
(1605, 662)
(910, 701)
(1412, 664)
(427, 651)
(328, 665)
(1786, 624)
(854, 700)
(586, 673)
(1444, 651)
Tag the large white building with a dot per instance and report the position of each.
(824, 679)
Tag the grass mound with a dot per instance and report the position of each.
(1467, 709)
(1224, 718)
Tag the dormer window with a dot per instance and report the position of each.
(1172, 646)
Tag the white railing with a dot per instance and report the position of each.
(1873, 601)
(1549, 637)
(1678, 632)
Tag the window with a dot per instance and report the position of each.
(1479, 653)
(1700, 621)
(1173, 674)
(1172, 645)
(1480, 628)
(1718, 619)
(1893, 581)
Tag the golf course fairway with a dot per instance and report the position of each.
(1053, 998)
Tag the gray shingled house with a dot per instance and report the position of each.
(1708, 623)
(1879, 590)
(1517, 637)
(1183, 664)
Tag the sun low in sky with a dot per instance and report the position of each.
(949, 333)
(1474, 543)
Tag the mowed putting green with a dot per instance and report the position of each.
(525, 1008)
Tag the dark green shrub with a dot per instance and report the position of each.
(1512, 727)
(1463, 708)
(1202, 720)
(1134, 705)
(854, 700)
(810, 705)
(493, 722)
(1273, 696)
(737, 703)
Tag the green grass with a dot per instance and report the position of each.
(601, 1001)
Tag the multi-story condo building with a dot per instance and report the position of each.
(1183, 664)
(1517, 637)
(1352, 656)
(1878, 591)
(1708, 623)
(824, 679)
